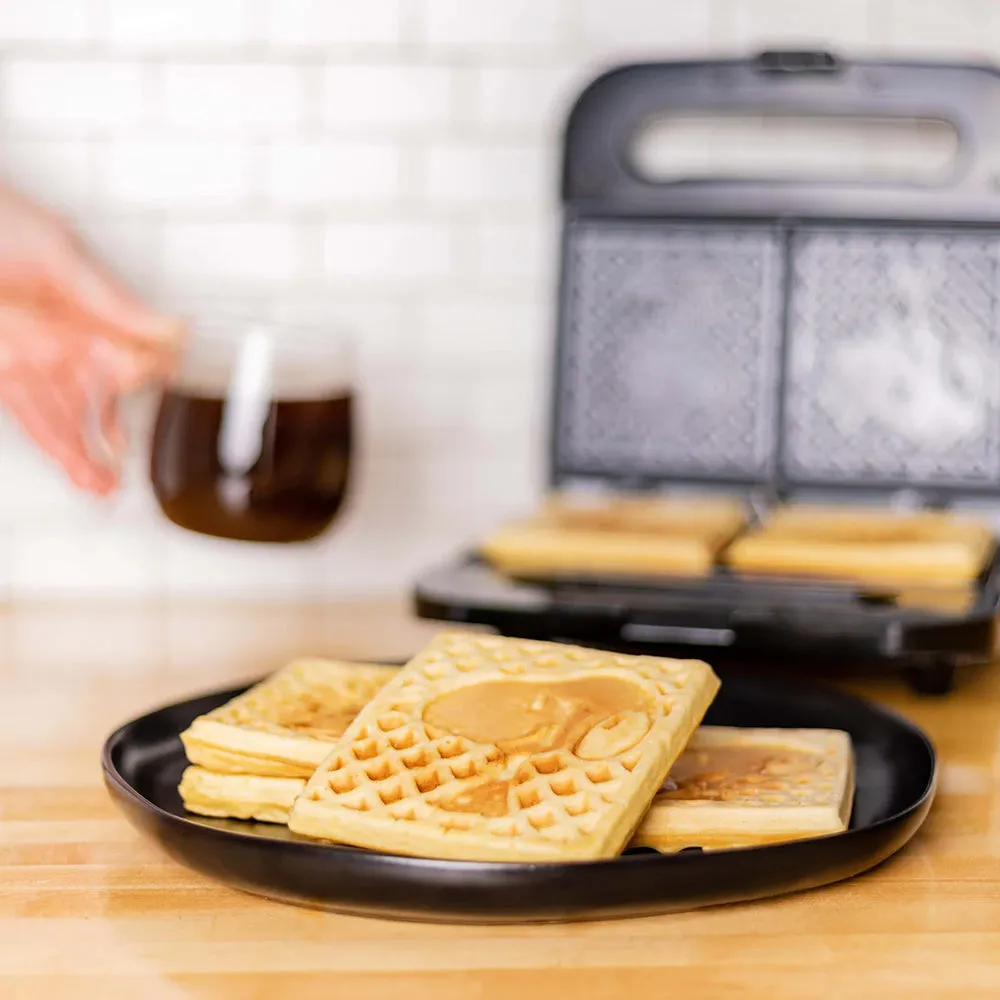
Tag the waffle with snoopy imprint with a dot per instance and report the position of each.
(489, 748)
(736, 787)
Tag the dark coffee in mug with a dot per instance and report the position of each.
(254, 436)
(290, 493)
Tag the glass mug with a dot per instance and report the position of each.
(254, 432)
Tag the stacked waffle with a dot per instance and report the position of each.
(486, 748)
(251, 757)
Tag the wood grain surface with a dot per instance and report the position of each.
(89, 910)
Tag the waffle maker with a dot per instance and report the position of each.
(777, 340)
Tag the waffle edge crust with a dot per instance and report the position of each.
(495, 749)
(627, 536)
(866, 546)
(284, 726)
(238, 796)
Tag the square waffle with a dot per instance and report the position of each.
(490, 748)
(285, 725)
(865, 546)
(741, 787)
(624, 535)
(238, 796)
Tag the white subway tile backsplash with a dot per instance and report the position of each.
(200, 254)
(392, 419)
(251, 98)
(157, 173)
(178, 23)
(502, 332)
(60, 173)
(198, 565)
(757, 24)
(376, 551)
(488, 174)
(317, 173)
(520, 23)
(385, 554)
(509, 253)
(481, 420)
(507, 405)
(967, 27)
(497, 482)
(47, 94)
(377, 325)
(55, 21)
(635, 27)
(359, 314)
(52, 502)
(322, 23)
(30, 483)
(37, 496)
(525, 98)
(130, 245)
(113, 558)
(393, 252)
(388, 95)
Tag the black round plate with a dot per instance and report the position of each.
(896, 778)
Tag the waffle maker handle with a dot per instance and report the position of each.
(598, 172)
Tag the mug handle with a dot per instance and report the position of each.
(101, 393)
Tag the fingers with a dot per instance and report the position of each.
(89, 395)
(129, 368)
(109, 427)
(38, 249)
(43, 335)
(72, 339)
(85, 286)
(134, 346)
(28, 336)
(52, 412)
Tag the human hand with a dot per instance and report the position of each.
(72, 343)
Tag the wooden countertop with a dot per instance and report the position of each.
(89, 910)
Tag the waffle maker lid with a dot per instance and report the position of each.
(784, 336)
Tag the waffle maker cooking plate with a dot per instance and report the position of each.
(778, 340)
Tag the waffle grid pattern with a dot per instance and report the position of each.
(671, 349)
(392, 767)
(672, 364)
(894, 365)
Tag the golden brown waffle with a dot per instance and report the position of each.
(740, 787)
(503, 749)
(865, 546)
(238, 796)
(284, 726)
(622, 535)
